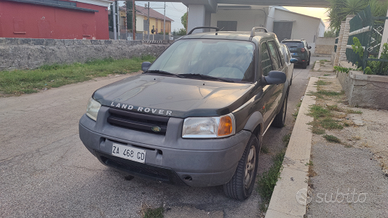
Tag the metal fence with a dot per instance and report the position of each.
(360, 27)
(369, 31)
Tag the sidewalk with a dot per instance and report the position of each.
(347, 179)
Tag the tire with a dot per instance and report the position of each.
(280, 118)
(241, 185)
(308, 63)
(304, 65)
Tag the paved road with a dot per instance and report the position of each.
(47, 172)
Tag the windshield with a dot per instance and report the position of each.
(224, 59)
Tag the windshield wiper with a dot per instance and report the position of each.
(161, 72)
(202, 76)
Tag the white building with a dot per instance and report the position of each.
(286, 24)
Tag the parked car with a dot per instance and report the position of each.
(289, 60)
(197, 115)
(300, 50)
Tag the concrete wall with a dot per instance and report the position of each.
(364, 90)
(17, 53)
(324, 46)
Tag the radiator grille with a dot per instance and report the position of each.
(137, 121)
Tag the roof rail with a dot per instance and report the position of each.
(253, 32)
(203, 27)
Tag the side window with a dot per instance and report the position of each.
(274, 52)
(266, 64)
(286, 59)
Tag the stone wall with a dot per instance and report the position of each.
(324, 46)
(21, 53)
(364, 90)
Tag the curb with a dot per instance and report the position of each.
(289, 198)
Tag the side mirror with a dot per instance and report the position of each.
(309, 47)
(275, 77)
(145, 66)
(293, 60)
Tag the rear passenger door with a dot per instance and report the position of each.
(272, 94)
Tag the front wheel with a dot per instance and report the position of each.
(280, 118)
(240, 187)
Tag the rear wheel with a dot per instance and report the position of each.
(304, 65)
(240, 187)
(280, 118)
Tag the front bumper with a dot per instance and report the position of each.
(169, 158)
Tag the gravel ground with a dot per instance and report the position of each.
(349, 179)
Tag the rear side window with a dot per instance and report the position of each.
(266, 64)
(292, 44)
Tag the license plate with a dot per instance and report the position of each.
(128, 152)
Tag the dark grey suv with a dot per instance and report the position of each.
(197, 115)
(300, 50)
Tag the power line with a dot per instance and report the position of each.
(176, 8)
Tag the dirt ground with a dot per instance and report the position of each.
(349, 178)
(365, 130)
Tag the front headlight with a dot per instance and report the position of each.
(209, 127)
(93, 108)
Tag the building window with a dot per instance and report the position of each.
(227, 25)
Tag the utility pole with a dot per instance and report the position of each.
(133, 21)
(114, 19)
(118, 20)
(126, 22)
(164, 22)
(148, 31)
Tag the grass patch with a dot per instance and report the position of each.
(317, 130)
(326, 74)
(50, 76)
(331, 138)
(317, 112)
(323, 61)
(267, 181)
(334, 108)
(286, 139)
(329, 123)
(264, 150)
(295, 114)
(349, 111)
(154, 213)
(321, 83)
(329, 93)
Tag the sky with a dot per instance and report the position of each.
(313, 12)
(175, 10)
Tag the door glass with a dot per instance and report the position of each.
(266, 64)
(273, 51)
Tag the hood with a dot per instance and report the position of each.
(176, 97)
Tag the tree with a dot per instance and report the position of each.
(184, 20)
(182, 32)
(128, 5)
(330, 34)
(339, 9)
